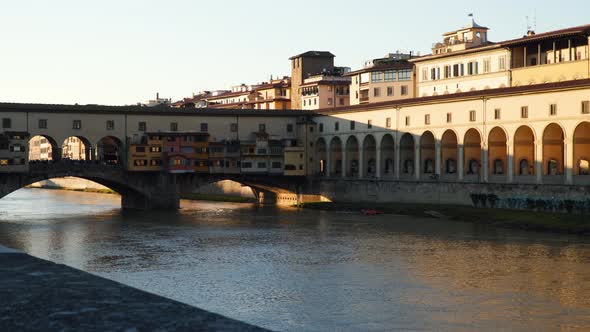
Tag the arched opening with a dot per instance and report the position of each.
(76, 148)
(449, 152)
(407, 154)
(336, 157)
(427, 153)
(387, 156)
(43, 149)
(472, 153)
(352, 157)
(110, 151)
(582, 150)
(320, 157)
(553, 150)
(497, 153)
(370, 156)
(524, 152)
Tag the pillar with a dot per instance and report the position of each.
(460, 158)
(361, 158)
(485, 167)
(510, 162)
(396, 160)
(343, 161)
(568, 160)
(539, 161)
(378, 158)
(328, 158)
(539, 54)
(417, 161)
(437, 157)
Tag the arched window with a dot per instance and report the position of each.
(473, 167)
(584, 166)
(409, 166)
(524, 167)
(451, 166)
(498, 167)
(428, 166)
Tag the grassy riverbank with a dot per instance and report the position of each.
(217, 198)
(85, 190)
(515, 219)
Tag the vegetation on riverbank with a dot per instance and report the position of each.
(515, 219)
(217, 198)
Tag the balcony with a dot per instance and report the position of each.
(364, 100)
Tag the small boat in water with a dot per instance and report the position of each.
(371, 212)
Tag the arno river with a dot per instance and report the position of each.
(287, 269)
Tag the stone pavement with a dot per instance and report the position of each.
(37, 295)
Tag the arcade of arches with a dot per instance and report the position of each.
(108, 150)
(550, 156)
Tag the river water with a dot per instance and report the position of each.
(300, 270)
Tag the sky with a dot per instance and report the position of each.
(120, 52)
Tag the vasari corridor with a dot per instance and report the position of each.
(435, 176)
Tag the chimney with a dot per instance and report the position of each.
(530, 33)
(157, 96)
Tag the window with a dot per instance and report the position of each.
(405, 74)
(388, 123)
(204, 127)
(321, 127)
(377, 76)
(140, 149)
(155, 148)
(17, 148)
(502, 63)
(586, 107)
(553, 109)
(404, 90)
(487, 66)
(407, 120)
(276, 164)
(424, 74)
(376, 92)
(233, 127)
(77, 124)
(289, 128)
(497, 114)
(110, 125)
(390, 76)
(261, 165)
(389, 91)
(352, 125)
(261, 151)
(524, 112)
(472, 68)
(6, 123)
(427, 119)
(262, 128)
(141, 126)
(449, 117)
(247, 164)
(456, 70)
(330, 101)
(472, 116)
(140, 162)
(173, 126)
(336, 126)
(341, 101)
(42, 124)
(370, 124)
(447, 71)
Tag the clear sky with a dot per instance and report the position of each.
(124, 51)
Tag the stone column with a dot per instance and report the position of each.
(437, 157)
(539, 161)
(361, 162)
(417, 162)
(396, 161)
(343, 161)
(568, 161)
(378, 158)
(510, 162)
(328, 161)
(485, 164)
(460, 161)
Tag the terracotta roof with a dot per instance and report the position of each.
(551, 34)
(314, 54)
(394, 66)
(463, 95)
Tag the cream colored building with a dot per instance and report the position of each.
(384, 79)
(464, 61)
(537, 134)
(325, 91)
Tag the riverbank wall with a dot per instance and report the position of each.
(541, 198)
(38, 295)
